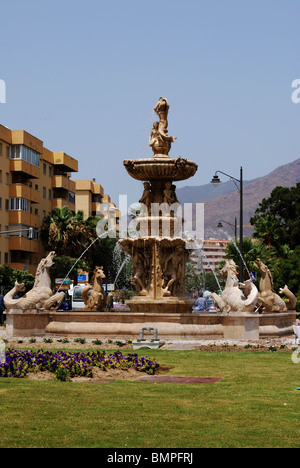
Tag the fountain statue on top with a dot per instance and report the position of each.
(159, 140)
(159, 252)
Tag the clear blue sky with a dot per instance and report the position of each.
(84, 77)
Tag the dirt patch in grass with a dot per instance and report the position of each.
(45, 375)
(99, 375)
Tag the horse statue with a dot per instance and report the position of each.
(233, 299)
(268, 300)
(40, 297)
(97, 300)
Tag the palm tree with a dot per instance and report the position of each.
(268, 229)
(67, 233)
(253, 249)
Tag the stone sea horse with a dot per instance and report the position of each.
(268, 300)
(97, 300)
(233, 299)
(40, 297)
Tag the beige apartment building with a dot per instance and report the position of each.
(91, 199)
(33, 181)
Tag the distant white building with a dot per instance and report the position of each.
(212, 253)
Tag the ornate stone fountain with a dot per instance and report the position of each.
(159, 252)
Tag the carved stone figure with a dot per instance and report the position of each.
(159, 140)
(173, 262)
(140, 262)
(169, 195)
(268, 300)
(233, 299)
(97, 301)
(146, 199)
(40, 296)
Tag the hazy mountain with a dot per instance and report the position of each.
(223, 203)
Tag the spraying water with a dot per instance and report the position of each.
(239, 252)
(198, 246)
(79, 258)
(118, 263)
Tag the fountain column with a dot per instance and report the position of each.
(159, 251)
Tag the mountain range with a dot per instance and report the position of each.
(223, 202)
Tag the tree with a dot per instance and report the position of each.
(277, 218)
(253, 249)
(269, 230)
(63, 266)
(9, 276)
(67, 232)
(193, 281)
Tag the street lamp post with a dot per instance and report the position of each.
(234, 226)
(216, 181)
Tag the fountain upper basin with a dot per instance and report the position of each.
(160, 167)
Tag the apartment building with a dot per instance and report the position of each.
(33, 181)
(213, 252)
(89, 195)
(91, 199)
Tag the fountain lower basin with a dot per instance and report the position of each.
(127, 325)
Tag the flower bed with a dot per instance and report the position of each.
(66, 365)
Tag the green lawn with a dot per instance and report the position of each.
(255, 405)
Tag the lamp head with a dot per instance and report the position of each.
(215, 181)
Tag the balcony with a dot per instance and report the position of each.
(24, 267)
(65, 163)
(21, 217)
(61, 182)
(61, 202)
(24, 191)
(89, 186)
(25, 245)
(31, 171)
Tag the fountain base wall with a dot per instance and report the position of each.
(127, 325)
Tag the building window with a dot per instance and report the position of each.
(19, 204)
(72, 198)
(26, 154)
(44, 192)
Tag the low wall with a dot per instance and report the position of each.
(127, 325)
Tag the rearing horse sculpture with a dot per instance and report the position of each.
(268, 300)
(233, 299)
(97, 301)
(40, 296)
